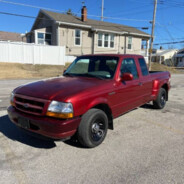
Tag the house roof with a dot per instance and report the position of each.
(94, 24)
(10, 36)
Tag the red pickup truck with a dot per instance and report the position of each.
(93, 91)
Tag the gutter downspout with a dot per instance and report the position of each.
(93, 42)
(119, 44)
(125, 43)
(58, 34)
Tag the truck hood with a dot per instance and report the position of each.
(62, 86)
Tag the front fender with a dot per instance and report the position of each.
(96, 102)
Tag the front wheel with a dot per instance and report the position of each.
(160, 102)
(93, 128)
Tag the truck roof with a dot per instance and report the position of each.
(114, 55)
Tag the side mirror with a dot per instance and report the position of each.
(64, 71)
(127, 77)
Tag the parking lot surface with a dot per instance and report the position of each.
(146, 147)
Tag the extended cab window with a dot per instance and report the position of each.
(143, 66)
(129, 66)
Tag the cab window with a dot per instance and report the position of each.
(143, 66)
(128, 66)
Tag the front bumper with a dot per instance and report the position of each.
(49, 127)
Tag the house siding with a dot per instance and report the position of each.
(87, 46)
(44, 22)
(45, 25)
(64, 35)
(67, 38)
(54, 34)
(136, 46)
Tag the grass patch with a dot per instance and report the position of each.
(28, 71)
(160, 67)
(66, 65)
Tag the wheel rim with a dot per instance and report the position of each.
(163, 99)
(97, 130)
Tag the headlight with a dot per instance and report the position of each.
(12, 99)
(60, 110)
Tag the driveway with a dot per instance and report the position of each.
(146, 147)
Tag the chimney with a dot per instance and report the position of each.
(84, 14)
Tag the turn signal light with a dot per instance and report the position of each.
(60, 115)
(12, 103)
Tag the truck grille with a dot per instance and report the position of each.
(30, 105)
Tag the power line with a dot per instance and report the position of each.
(136, 20)
(173, 38)
(39, 7)
(31, 6)
(32, 17)
(167, 43)
(20, 15)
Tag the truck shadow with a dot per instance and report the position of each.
(14, 133)
(74, 142)
(147, 106)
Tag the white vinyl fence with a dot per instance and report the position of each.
(12, 52)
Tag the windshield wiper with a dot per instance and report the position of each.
(68, 74)
(91, 75)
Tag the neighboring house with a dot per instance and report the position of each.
(166, 57)
(86, 36)
(13, 37)
(180, 58)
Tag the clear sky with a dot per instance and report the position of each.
(136, 13)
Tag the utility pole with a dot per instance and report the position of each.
(152, 32)
(102, 10)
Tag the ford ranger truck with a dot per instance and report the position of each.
(93, 91)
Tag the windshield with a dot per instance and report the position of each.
(102, 67)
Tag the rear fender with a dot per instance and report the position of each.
(157, 85)
(155, 88)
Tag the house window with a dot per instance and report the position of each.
(77, 37)
(100, 39)
(111, 41)
(44, 38)
(105, 40)
(129, 42)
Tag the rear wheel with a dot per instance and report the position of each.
(93, 128)
(160, 102)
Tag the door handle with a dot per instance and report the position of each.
(140, 83)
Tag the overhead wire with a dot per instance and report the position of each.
(50, 9)
(167, 43)
(27, 16)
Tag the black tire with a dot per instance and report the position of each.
(93, 128)
(160, 102)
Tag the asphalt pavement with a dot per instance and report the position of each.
(6, 87)
(146, 147)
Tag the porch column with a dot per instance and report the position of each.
(147, 49)
(57, 34)
(125, 44)
(93, 42)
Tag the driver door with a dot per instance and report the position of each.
(128, 93)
